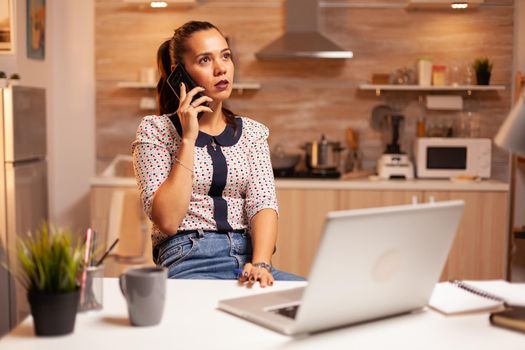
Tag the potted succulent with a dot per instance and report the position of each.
(483, 68)
(14, 79)
(49, 266)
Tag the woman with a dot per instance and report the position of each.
(207, 182)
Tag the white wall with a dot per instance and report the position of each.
(72, 123)
(33, 72)
(67, 73)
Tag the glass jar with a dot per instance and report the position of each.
(454, 75)
(468, 75)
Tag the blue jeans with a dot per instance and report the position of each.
(209, 255)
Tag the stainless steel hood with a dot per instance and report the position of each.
(302, 38)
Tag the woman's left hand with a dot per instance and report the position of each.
(252, 274)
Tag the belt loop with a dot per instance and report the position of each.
(200, 233)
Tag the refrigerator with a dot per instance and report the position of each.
(23, 187)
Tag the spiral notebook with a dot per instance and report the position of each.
(462, 297)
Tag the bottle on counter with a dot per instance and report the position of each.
(421, 122)
(424, 71)
(439, 75)
(421, 127)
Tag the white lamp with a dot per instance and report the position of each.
(511, 135)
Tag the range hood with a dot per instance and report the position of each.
(302, 38)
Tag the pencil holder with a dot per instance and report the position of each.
(91, 292)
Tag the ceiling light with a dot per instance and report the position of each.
(158, 4)
(459, 5)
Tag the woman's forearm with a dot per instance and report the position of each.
(264, 235)
(172, 199)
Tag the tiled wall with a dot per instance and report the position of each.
(300, 99)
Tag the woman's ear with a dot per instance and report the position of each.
(172, 67)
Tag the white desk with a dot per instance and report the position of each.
(192, 321)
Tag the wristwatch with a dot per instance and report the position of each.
(263, 265)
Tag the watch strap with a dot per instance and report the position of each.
(263, 265)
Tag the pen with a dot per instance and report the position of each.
(91, 261)
(237, 272)
(101, 260)
(85, 260)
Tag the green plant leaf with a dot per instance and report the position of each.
(48, 261)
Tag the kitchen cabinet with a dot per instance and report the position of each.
(301, 219)
(116, 212)
(357, 199)
(478, 252)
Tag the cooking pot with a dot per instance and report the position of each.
(322, 154)
(283, 163)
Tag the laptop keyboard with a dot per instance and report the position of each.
(288, 311)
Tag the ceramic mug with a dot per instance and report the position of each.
(144, 289)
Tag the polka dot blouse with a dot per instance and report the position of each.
(233, 178)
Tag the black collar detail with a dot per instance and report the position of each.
(226, 138)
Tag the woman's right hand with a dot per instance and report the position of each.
(188, 111)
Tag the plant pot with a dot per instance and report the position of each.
(53, 314)
(483, 78)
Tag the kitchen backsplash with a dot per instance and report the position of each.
(300, 99)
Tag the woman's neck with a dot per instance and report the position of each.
(213, 123)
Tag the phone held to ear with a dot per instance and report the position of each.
(179, 75)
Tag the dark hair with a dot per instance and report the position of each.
(170, 53)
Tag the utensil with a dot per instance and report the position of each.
(106, 253)
(353, 158)
(352, 139)
(378, 117)
(322, 155)
(282, 160)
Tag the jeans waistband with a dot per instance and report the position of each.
(199, 233)
(184, 232)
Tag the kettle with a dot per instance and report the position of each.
(322, 155)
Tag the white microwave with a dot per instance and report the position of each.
(438, 157)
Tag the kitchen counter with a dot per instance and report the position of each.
(416, 185)
(362, 184)
(119, 174)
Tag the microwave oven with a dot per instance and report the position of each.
(438, 157)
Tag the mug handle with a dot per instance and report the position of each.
(122, 284)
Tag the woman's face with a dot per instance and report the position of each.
(209, 63)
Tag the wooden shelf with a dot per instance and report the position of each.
(240, 86)
(168, 2)
(392, 87)
(135, 85)
(440, 5)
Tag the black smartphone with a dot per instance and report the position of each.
(179, 75)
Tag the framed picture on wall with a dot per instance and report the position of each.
(6, 26)
(36, 29)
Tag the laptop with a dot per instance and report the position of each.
(370, 264)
